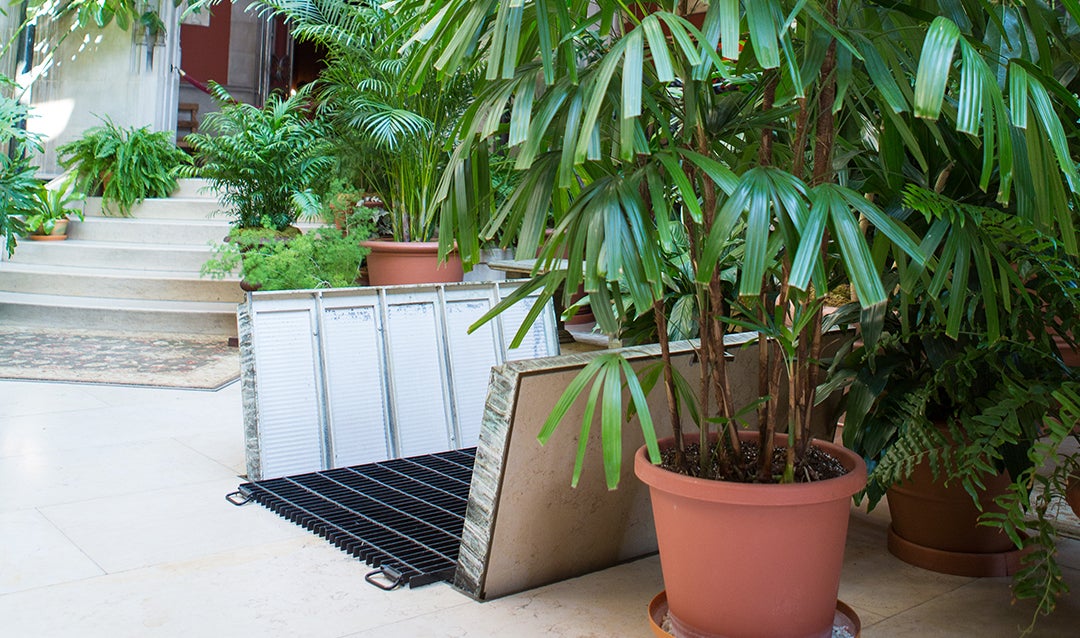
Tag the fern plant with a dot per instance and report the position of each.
(966, 374)
(263, 162)
(125, 165)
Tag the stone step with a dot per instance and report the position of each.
(158, 231)
(198, 188)
(53, 311)
(107, 254)
(193, 208)
(116, 283)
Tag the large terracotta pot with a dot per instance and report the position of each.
(935, 526)
(751, 560)
(392, 263)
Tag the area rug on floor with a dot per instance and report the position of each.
(202, 362)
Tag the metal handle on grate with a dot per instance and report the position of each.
(238, 498)
(385, 578)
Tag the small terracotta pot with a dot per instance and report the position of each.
(59, 232)
(935, 526)
(748, 559)
(393, 263)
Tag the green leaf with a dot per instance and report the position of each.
(935, 64)
(763, 32)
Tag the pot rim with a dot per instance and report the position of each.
(756, 493)
(387, 244)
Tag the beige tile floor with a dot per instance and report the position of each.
(113, 523)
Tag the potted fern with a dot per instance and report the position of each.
(124, 165)
(965, 403)
(770, 159)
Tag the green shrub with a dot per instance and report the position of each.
(18, 181)
(124, 165)
(270, 260)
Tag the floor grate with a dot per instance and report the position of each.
(402, 516)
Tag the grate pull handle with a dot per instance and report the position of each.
(385, 578)
(238, 498)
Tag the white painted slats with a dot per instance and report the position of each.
(374, 373)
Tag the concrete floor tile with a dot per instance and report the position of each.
(226, 448)
(612, 603)
(302, 587)
(874, 579)
(19, 398)
(34, 553)
(981, 609)
(167, 525)
(70, 476)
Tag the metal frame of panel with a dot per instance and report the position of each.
(340, 377)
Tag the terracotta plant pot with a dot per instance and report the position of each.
(1072, 493)
(59, 232)
(770, 565)
(936, 527)
(392, 263)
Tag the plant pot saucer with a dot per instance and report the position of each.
(975, 565)
(48, 237)
(845, 623)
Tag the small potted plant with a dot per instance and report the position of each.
(324, 258)
(47, 219)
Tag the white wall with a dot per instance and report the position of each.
(101, 72)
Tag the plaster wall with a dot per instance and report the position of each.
(99, 73)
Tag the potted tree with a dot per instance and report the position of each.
(769, 158)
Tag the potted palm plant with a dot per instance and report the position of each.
(263, 162)
(769, 159)
(390, 142)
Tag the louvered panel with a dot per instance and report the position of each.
(471, 359)
(362, 391)
(290, 426)
(355, 374)
(538, 341)
(417, 379)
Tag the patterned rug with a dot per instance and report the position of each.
(202, 362)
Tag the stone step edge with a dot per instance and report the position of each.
(112, 273)
(117, 303)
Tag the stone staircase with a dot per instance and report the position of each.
(134, 274)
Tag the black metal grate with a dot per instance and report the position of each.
(403, 516)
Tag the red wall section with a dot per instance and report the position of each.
(204, 51)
